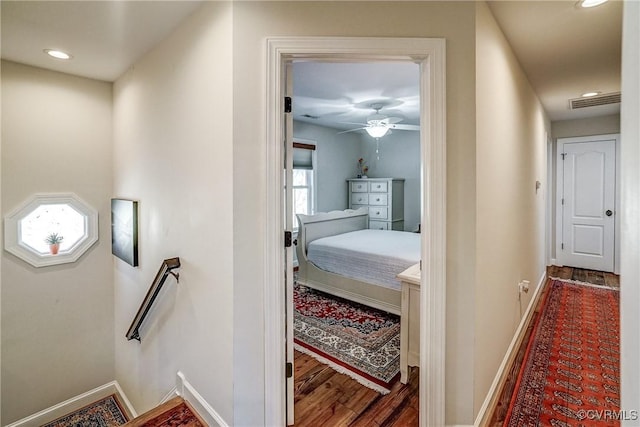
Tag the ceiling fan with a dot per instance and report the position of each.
(378, 125)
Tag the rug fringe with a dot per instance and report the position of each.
(578, 282)
(341, 369)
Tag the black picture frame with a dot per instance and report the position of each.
(124, 230)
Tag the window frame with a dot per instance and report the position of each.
(305, 144)
(12, 227)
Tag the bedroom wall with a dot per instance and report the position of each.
(399, 155)
(511, 155)
(252, 22)
(336, 157)
(57, 321)
(173, 153)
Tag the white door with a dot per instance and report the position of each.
(587, 205)
(288, 209)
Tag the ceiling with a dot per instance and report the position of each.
(564, 50)
(104, 37)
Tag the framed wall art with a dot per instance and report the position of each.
(124, 230)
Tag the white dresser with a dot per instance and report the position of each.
(384, 198)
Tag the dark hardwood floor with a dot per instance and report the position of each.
(324, 397)
(568, 273)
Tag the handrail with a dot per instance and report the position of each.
(154, 290)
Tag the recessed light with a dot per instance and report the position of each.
(58, 54)
(589, 94)
(592, 3)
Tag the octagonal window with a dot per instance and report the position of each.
(51, 229)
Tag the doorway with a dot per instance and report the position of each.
(587, 191)
(429, 54)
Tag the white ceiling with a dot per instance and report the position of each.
(564, 51)
(104, 37)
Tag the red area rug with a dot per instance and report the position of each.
(571, 372)
(354, 339)
(103, 413)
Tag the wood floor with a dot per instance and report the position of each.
(568, 273)
(323, 397)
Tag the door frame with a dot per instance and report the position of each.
(559, 259)
(430, 54)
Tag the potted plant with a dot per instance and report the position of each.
(54, 240)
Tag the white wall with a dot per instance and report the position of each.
(173, 153)
(630, 230)
(57, 322)
(585, 127)
(252, 22)
(510, 156)
(399, 155)
(336, 156)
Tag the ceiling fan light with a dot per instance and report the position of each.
(377, 131)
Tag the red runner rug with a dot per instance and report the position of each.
(353, 339)
(571, 372)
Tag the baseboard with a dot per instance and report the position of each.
(490, 402)
(191, 395)
(75, 403)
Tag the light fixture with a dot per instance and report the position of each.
(377, 131)
(58, 54)
(589, 94)
(591, 3)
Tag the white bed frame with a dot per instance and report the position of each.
(313, 227)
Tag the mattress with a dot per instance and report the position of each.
(372, 256)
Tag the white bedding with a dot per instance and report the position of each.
(373, 256)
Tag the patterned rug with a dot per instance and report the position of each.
(103, 413)
(354, 339)
(571, 372)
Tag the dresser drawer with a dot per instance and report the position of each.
(378, 187)
(359, 198)
(378, 213)
(378, 199)
(356, 207)
(379, 225)
(359, 187)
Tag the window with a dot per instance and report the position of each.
(303, 180)
(51, 229)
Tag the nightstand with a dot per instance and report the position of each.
(409, 320)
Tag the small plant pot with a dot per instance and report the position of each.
(54, 248)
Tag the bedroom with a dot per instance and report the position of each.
(332, 104)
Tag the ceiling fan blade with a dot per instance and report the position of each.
(352, 123)
(392, 120)
(403, 127)
(350, 130)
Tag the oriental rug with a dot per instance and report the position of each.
(571, 372)
(356, 340)
(103, 413)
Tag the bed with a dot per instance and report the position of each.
(338, 254)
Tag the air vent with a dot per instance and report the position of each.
(593, 101)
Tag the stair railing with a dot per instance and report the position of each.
(165, 269)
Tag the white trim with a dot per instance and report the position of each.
(490, 401)
(75, 403)
(430, 54)
(13, 242)
(185, 389)
(170, 395)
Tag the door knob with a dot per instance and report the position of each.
(608, 212)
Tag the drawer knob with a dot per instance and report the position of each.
(378, 199)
